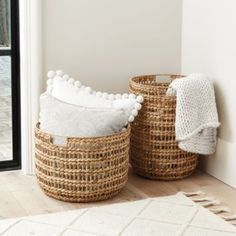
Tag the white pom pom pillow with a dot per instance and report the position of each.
(69, 109)
(61, 119)
(66, 89)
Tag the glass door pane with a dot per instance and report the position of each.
(5, 32)
(5, 109)
(10, 148)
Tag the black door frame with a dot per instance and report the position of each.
(14, 53)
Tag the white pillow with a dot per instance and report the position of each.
(61, 119)
(73, 92)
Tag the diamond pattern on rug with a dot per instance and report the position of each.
(101, 223)
(192, 231)
(147, 227)
(25, 227)
(174, 215)
(70, 232)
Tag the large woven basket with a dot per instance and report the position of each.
(154, 152)
(86, 169)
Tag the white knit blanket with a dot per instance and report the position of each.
(196, 113)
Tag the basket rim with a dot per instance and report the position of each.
(37, 128)
(132, 80)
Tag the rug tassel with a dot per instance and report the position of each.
(208, 202)
(212, 203)
(189, 194)
(228, 218)
(220, 210)
(203, 199)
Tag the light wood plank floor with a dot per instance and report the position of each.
(20, 194)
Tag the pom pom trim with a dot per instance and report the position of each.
(60, 74)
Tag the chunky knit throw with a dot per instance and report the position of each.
(196, 113)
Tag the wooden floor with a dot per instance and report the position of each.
(20, 195)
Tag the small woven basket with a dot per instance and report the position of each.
(154, 153)
(86, 169)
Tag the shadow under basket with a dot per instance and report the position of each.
(154, 153)
(85, 169)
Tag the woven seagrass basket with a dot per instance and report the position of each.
(154, 153)
(86, 169)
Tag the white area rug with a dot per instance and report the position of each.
(164, 216)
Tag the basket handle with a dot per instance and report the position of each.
(169, 76)
(173, 77)
(59, 141)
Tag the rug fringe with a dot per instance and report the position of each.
(220, 210)
(208, 202)
(189, 194)
(229, 218)
(203, 199)
(211, 203)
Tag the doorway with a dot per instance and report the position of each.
(10, 142)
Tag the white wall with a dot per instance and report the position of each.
(209, 46)
(105, 42)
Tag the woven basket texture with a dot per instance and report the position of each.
(154, 153)
(86, 169)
